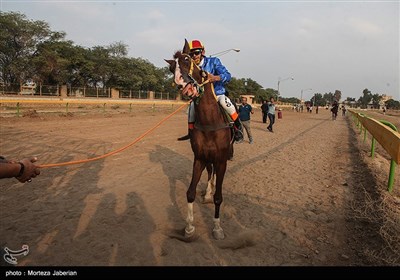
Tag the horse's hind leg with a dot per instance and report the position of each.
(210, 184)
(198, 168)
(218, 232)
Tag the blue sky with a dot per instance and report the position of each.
(323, 45)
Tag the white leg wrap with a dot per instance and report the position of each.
(189, 220)
(218, 232)
(210, 188)
(217, 224)
(214, 178)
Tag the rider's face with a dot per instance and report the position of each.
(196, 55)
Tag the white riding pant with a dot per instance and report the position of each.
(222, 99)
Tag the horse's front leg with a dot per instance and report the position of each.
(220, 169)
(231, 151)
(210, 184)
(198, 167)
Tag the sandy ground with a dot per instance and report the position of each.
(289, 198)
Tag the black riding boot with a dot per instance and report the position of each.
(186, 137)
(238, 130)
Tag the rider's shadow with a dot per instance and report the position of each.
(176, 167)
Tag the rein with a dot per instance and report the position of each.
(204, 80)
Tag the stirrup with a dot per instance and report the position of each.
(186, 137)
(238, 136)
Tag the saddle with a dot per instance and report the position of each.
(227, 117)
(228, 121)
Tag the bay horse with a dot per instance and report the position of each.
(211, 137)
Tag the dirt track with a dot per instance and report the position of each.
(288, 199)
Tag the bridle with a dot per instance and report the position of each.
(193, 81)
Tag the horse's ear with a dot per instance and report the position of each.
(186, 47)
(169, 61)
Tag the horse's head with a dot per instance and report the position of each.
(187, 75)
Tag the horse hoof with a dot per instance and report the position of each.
(189, 233)
(218, 234)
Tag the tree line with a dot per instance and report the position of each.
(31, 51)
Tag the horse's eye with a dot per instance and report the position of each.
(186, 58)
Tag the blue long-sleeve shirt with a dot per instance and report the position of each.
(214, 66)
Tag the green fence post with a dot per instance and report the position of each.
(104, 107)
(391, 175)
(154, 107)
(66, 108)
(17, 109)
(130, 107)
(365, 134)
(392, 162)
(372, 147)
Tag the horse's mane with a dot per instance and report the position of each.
(177, 54)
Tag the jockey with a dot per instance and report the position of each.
(219, 75)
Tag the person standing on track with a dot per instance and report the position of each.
(244, 114)
(271, 113)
